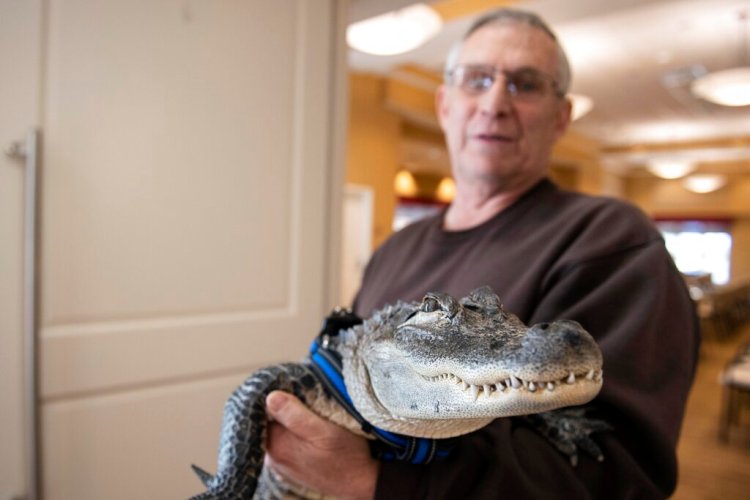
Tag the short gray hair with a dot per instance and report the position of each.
(516, 16)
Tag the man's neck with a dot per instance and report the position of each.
(472, 207)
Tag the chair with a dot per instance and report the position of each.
(736, 394)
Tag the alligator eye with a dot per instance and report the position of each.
(430, 304)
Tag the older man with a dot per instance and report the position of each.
(549, 254)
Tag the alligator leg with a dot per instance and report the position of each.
(569, 430)
(243, 431)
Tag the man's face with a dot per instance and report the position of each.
(493, 137)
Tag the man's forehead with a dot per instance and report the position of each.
(510, 42)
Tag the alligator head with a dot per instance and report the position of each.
(416, 368)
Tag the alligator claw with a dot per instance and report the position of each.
(569, 430)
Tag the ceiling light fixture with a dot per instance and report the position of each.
(670, 169)
(395, 32)
(704, 183)
(729, 87)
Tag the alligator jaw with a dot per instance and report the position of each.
(451, 397)
(506, 385)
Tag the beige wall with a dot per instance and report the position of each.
(741, 248)
(372, 155)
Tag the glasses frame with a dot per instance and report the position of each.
(510, 85)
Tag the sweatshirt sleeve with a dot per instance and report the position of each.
(635, 304)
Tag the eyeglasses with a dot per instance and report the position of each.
(525, 84)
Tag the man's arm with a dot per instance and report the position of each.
(316, 453)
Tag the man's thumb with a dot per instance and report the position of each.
(275, 403)
(290, 412)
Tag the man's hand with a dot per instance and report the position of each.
(316, 453)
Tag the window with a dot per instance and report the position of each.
(699, 247)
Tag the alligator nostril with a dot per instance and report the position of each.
(572, 337)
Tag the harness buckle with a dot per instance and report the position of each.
(339, 319)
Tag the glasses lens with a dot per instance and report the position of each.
(528, 84)
(474, 79)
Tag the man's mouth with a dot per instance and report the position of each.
(494, 138)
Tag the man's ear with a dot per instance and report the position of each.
(564, 114)
(441, 105)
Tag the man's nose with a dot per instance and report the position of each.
(496, 100)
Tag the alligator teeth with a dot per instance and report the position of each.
(475, 391)
(515, 383)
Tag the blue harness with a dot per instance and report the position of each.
(389, 446)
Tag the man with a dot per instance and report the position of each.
(549, 254)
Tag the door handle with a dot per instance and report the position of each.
(28, 152)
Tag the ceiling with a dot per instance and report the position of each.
(635, 58)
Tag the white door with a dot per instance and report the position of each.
(188, 148)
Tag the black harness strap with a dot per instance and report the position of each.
(327, 367)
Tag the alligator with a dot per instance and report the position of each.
(412, 375)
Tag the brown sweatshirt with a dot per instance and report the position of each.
(558, 255)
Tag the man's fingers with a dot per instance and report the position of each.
(290, 412)
(305, 448)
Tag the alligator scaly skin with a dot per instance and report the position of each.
(243, 430)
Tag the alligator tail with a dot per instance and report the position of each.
(243, 434)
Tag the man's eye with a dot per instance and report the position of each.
(477, 80)
(527, 84)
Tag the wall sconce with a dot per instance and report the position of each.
(446, 190)
(405, 184)
(395, 32)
